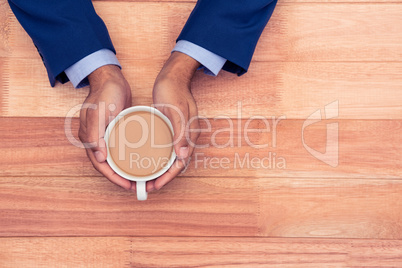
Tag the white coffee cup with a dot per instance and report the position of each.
(140, 181)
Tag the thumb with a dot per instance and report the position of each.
(96, 125)
(181, 146)
(182, 151)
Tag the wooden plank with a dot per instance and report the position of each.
(367, 149)
(213, 206)
(291, 89)
(330, 208)
(296, 32)
(65, 252)
(249, 252)
(95, 207)
(328, 32)
(198, 252)
(33, 146)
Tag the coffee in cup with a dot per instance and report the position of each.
(140, 145)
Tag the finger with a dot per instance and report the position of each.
(107, 171)
(150, 186)
(113, 177)
(173, 171)
(179, 121)
(193, 133)
(95, 130)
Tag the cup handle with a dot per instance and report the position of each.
(141, 190)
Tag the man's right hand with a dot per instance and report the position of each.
(109, 95)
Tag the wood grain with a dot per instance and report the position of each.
(291, 89)
(196, 252)
(367, 149)
(93, 206)
(213, 206)
(369, 90)
(248, 252)
(65, 252)
(57, 211)
(296, 32)
(330, 208)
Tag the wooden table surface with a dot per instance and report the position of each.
(341, 59)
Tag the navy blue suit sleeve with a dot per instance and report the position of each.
(229, 28)
(64, 31)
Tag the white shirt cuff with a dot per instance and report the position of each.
(210, 62)
(79, 71)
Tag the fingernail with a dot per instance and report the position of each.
(183, 152)
(99, 157)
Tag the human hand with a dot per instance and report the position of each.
(172, 96)
(109, 95)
